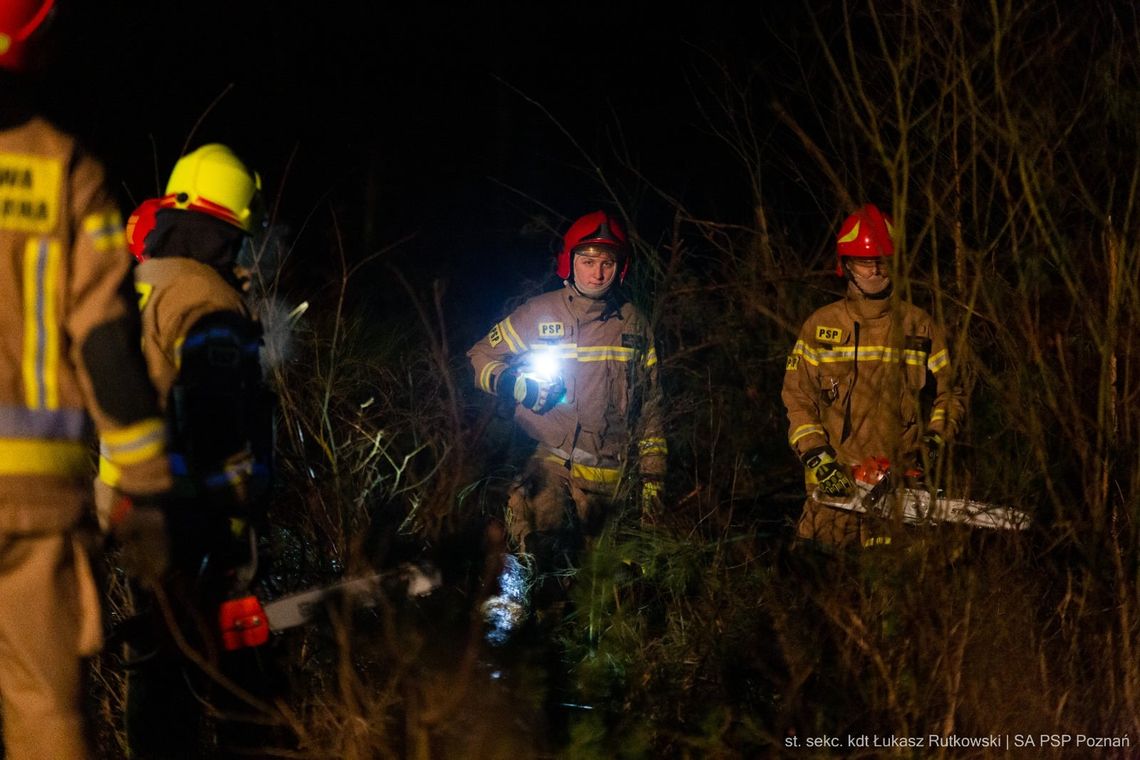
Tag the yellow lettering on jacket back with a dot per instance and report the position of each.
(29, 192)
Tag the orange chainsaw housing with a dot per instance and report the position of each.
(243, 623)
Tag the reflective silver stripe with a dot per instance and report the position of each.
(938, 361)
(584, 457)
(58, 424)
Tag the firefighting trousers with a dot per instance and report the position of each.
(547, 499)
(49, 619)
(832, 527)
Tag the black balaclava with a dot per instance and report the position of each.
(198, 236)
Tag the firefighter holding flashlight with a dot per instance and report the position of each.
(854, 379)
(580, 367)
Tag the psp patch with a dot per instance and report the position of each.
(495, 337)
(828, 334)
(551, 330)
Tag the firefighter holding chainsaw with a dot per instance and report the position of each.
(69, 338)
(854, 381)
(579, 367)
(202, 352)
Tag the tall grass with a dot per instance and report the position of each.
(1004, 140)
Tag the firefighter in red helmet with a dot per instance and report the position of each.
(71, 330)
(579, 367)
(853, 379)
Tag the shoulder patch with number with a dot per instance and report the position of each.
(828, 334)
(495, 337)
(29, 192)
(793, 362)
(551, 330)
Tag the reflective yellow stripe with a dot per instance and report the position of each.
(854, 233)
(485, 375)
(803, 431)
(938, 361)
(109, 473)
(606, 475)
(40, 365)
(134, 443)
(51, 327)
(877, 541)
(913, 358)
(143, 290)
(652, 447)
(938, 415)
(178, 351)
(605, 353)
(514, 342)
(23, 457)
(651, 357)
(806, 351)
(561, 350)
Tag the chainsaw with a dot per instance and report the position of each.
(246, 622)
(879, 493)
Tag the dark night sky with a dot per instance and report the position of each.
(402, 116)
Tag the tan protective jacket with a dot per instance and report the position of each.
(68, 336)
(174, 293)
(854, 377)
(609, 367)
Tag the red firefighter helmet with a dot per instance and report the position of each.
(139, 224)
(595, 228)
(865, 234)
(19, 19)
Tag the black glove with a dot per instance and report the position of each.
(929, 451)
(832, 478)
(537, 395)
(139, 526)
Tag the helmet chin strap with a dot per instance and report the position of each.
(596, 295)
(877, 296)
(884, 293)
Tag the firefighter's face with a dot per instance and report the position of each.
(871, 275)
(594, 268)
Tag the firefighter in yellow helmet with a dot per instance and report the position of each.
(202, 351)
(853, 380)
(69, 332)
(579, 367)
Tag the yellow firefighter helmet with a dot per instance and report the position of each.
(214, 181)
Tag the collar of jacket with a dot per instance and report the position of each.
(587, 309)
(867, 308)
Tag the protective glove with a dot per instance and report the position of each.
(139, 526)
(651, 490)
(929, 451)
(832, 478)
(538, 395)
